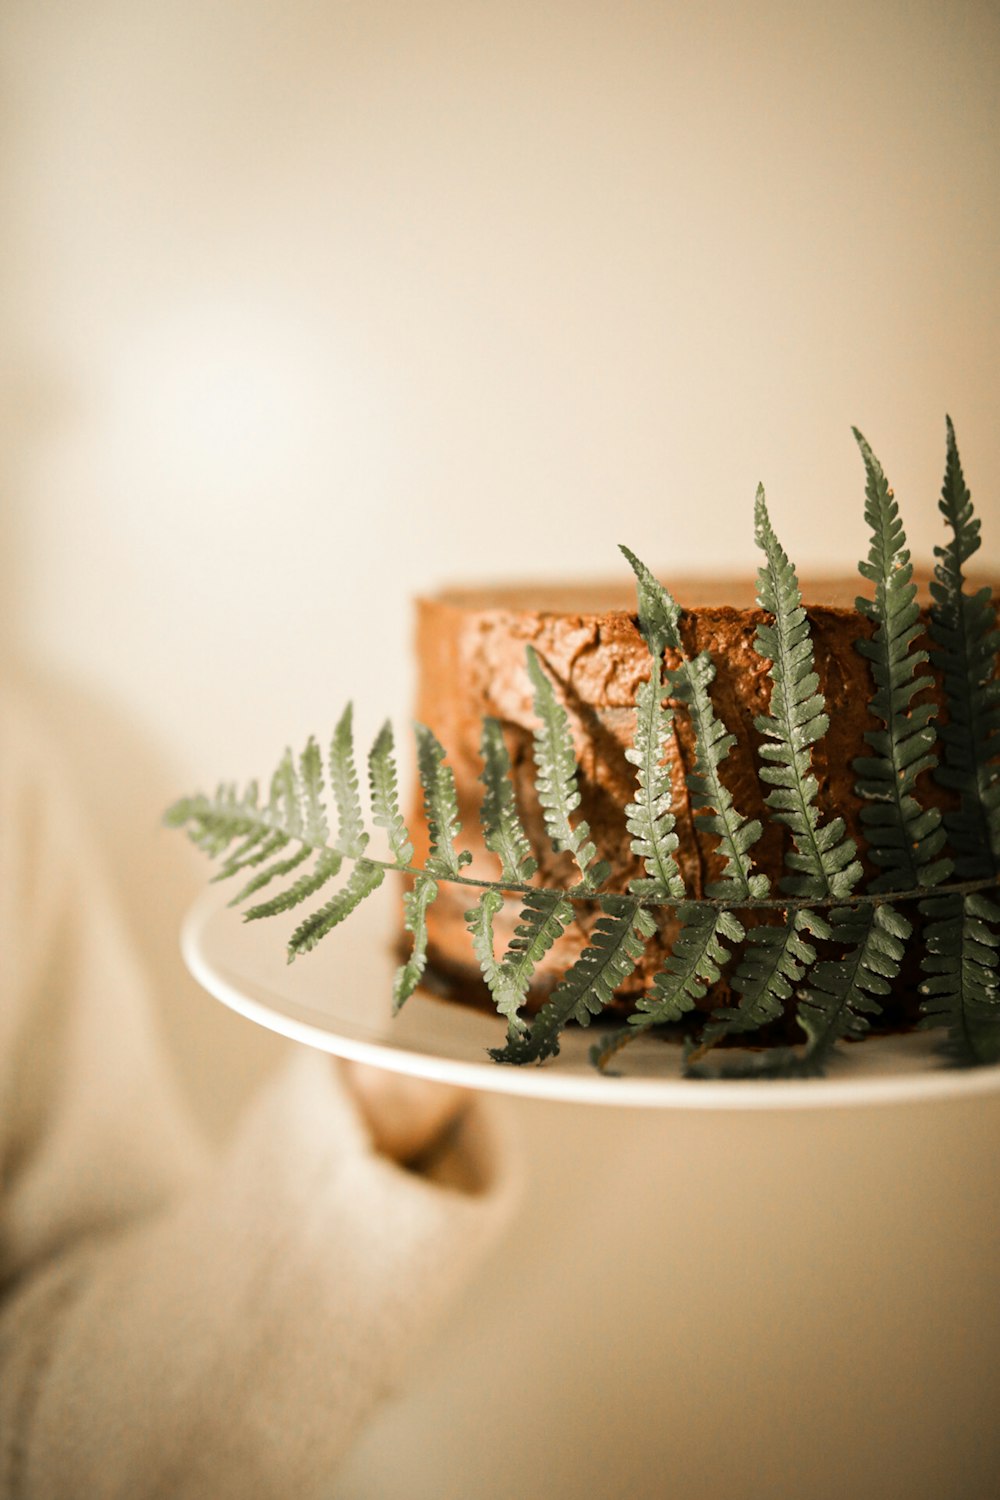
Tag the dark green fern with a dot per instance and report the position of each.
(960, 985)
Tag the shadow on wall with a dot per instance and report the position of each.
(122, 779)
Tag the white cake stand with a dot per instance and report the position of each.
(338, 1000)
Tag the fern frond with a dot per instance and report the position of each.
(964, 631)
(415, 904)
(695, 962)
(649, 818)
(440, 805)
(213, 824)
(617, 943)
(351, 836)
(842, 995)
(905, 839)
(277, 871)
(845, 992)
(508, 994)
(709, 794)
(382, 779)
(556, 780)
(363, 879)
(774, 961)
(823, 862)
(659, 613)
(659, 622)
(503, 833)
(284, 808)
(328, 863)
(545, 915)
(962, 968)
(316, 830)
(253, 851)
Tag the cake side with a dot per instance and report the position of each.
(471, 662)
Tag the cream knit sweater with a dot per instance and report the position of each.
(171, 1325)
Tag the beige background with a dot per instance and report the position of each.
(307, 308)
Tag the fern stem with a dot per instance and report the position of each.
(713, 903)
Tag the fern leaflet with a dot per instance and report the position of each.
(659, 622)
(382, 780)
(440, 805)
(962, 983)
(507, 994)
(214, 823)
(556, 780)
(351, 835)
(328, 863)
(415, 904)
(964, 630)
(844, 992)
(616, 945)
(284, 810)
(776, 959)
(261, 847)
(363, 879)
(545, 915)
(277, 871)
(695, 963)
(822, 862)
(315, 830)
(649, 819)
(503, 834)
(904, 838)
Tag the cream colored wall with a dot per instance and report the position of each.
(308, 307)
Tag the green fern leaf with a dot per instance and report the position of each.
(842, 996)
(277, 871)
(775, 960)
(843, 993)
(363, 879)
(904, 839)
(284, 809)
(649, 819)
(503, 832)
(709, 794)
(822, 863)
(415, 904)
(696, 962)
(213, 824)
(328, 863)
(545, 915)
(508, 991)
(351, 836)
(962, 969)
(383, 781)
(440, 805)
(659, 622)
(617, 943)
(316, 830)
(556, 780)
(253, 851)
(260, 832)
(964, 631)
(659, 614)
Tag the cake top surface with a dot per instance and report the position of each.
(611, 596)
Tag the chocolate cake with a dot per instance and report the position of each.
(471, 662)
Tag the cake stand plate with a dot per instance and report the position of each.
(337, 999)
